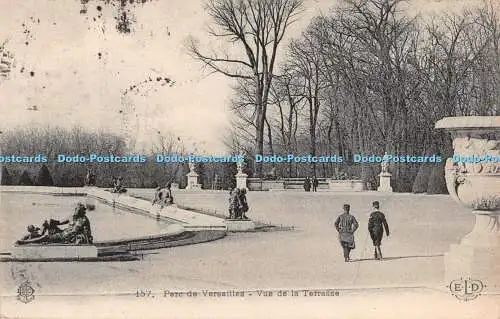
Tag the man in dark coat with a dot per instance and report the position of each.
(307, 184)
(346, 225)
(376, 225)
(315, 184)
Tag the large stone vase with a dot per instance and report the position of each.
(473, 180)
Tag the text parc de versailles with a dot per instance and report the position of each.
(257, 293)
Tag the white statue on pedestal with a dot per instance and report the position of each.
(385, 164)
(192, 167)
(385, 176)
(241, 178)
(192, 177)
(241, 163)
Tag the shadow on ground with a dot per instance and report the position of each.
(400, 257)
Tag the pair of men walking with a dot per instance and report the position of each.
(346, 224)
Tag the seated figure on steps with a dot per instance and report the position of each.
(163, 196)
(118, 186)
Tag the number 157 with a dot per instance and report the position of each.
(143, 293)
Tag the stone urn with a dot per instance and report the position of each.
(473, 180)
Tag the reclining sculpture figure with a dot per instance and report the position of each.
(78, 231)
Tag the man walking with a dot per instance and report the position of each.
(376, 225)
(346, 225)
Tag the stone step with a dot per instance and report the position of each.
(190, 220)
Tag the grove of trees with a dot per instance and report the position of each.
(370, 78)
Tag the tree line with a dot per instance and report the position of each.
(52, 141)
(368, 77)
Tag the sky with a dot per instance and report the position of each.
(74, 68)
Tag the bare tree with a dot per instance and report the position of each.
(258, 26)
(287, 97)
(307, 61)
(488, 67)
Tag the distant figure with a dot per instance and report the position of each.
(272, 172)
(376, 225)
(243, 204)
(307, 184)
(315, 184)
(230, 199)
(33, 232)
(93, 178)
(346, 225)
(271, 175)
(89, 178)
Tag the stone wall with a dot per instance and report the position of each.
(325, 184)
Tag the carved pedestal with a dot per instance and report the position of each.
(236, 225)
(192, 181)
(473, 179)
(385, 182)
(241, 180)
(478, 254)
